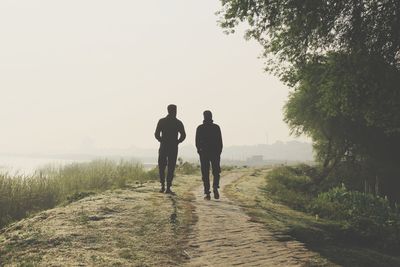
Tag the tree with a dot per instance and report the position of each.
(343, 60)
(349, 118)
(294, 32)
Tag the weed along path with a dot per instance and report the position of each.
(225, 236)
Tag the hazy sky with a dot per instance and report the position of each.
(82, 71)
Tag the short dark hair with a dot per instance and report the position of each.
(171, 108)
(207, 114)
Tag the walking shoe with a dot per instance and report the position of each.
(207, 197)
(162, 189)
(168, 191)
(216, 193)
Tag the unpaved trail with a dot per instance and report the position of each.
(225, 236)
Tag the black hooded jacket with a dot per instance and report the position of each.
(209, 138)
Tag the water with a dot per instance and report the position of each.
(28, 165)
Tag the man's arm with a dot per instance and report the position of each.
(157, 133)
(182, 133)
(219, 140)
(198, 140)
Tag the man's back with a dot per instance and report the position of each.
(208, 138)
(209, 146)
(167, 131)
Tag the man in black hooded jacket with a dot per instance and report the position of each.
(209, 147)
(166, 133)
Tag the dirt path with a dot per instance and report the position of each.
(225, 236)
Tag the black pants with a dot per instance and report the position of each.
(205, 161)
(167, 157)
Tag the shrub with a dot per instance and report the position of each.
(288, 178)
(288, 187)
(187, 168)
(372, 217)
(365, 216)
(153, 174)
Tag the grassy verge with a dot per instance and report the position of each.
(21, 196)
(132, 226)
(328, 238)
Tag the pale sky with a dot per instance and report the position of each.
(104, 71)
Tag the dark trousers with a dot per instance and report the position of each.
(167, 157)
(205, 161)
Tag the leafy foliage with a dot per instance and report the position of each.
(349, 118)
(343, 59)
(370, 216)
(294, 32)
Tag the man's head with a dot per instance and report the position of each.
(172, 110)
(207, 115)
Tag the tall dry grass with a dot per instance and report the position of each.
(21, 195)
